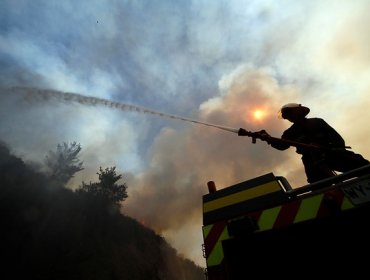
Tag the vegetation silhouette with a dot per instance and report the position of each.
(107, 187)
(51, 232)
(63, 163)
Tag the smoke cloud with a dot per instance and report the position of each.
(215, 62)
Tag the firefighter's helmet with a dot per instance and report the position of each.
(293, 108)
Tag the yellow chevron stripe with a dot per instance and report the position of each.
(206, 230)
(268, 218)
(346, 204)
(217, 255)
(308, 208)
(241, 196)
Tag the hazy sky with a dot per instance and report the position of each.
(214, 61)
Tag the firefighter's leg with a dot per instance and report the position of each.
(345, 160)
(316, 168)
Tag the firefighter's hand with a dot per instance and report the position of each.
(263, 134)
(242, 132)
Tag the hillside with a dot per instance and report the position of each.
(50, 232)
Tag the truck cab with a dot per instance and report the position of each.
(265, 227)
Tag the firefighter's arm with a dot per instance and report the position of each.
(278, 144)
(263, 135)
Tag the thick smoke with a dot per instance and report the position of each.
(212, 61)
(181, 162)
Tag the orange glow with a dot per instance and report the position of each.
(259, 114)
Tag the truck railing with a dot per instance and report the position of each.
(330, 182)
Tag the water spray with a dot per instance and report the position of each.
(41, 95)
(45, 95)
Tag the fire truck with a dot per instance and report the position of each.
(263, 227)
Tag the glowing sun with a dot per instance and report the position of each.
(259, 114)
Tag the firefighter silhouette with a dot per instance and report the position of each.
(318, 163)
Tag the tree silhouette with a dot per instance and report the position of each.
(64, 235)
(64, 162)
(107, 186)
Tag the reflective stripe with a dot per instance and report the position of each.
(346, 204)
(206, 230)
(268, 218)
(217, 255)
(241, 196)
(308, 208)
(295, 211)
